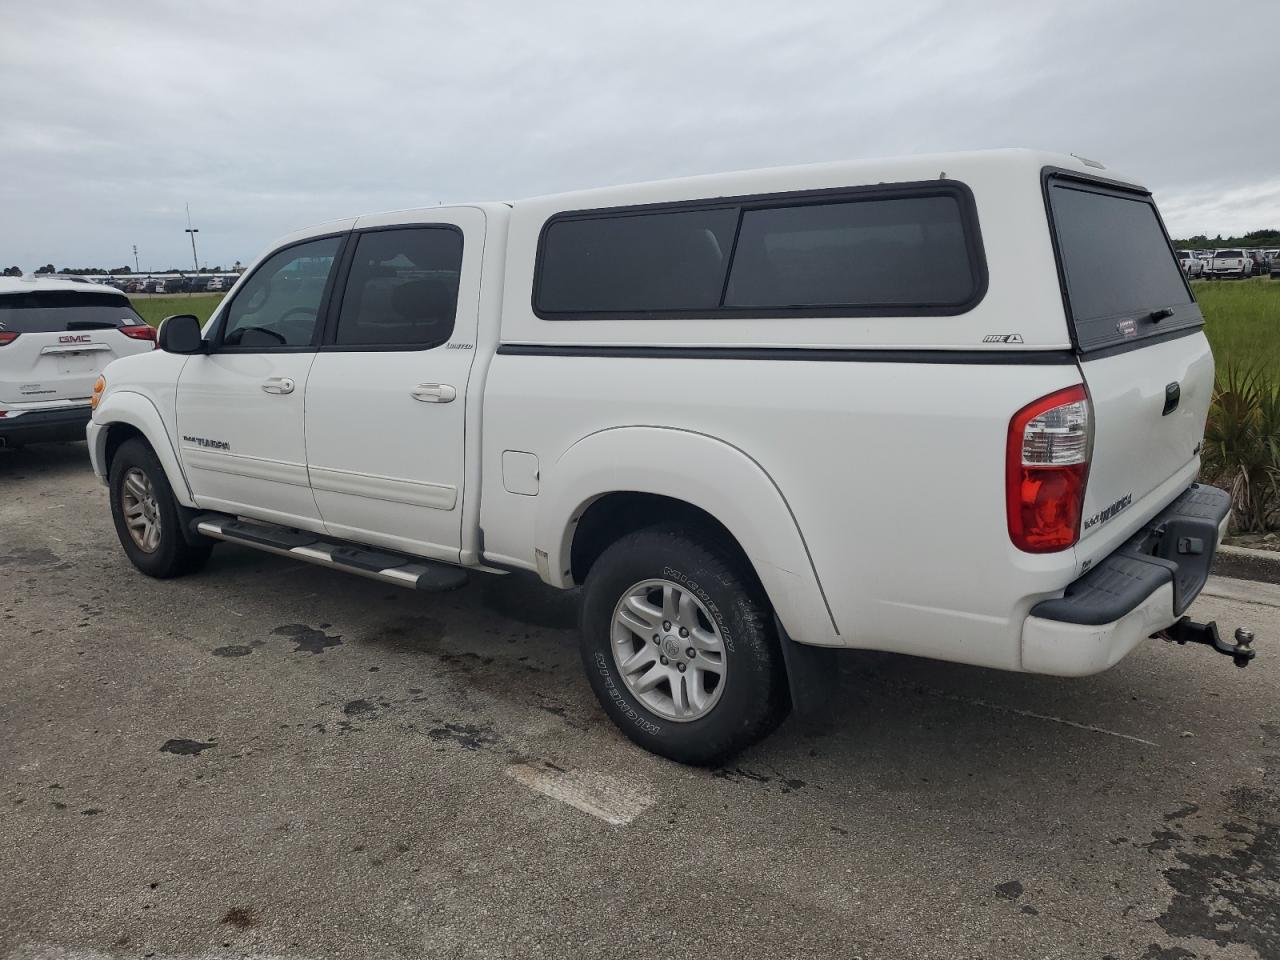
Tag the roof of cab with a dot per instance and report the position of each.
(30, 284)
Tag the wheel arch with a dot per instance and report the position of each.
(599, 488)
(124, 414)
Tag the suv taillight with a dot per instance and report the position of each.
(7, 336)
(1047, 465)
(139, 332)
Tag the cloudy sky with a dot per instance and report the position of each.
(270, 116)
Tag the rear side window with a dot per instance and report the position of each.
(1121, 277)
(57, 311)
(895, 251)
(636, 263)
(402, 290)
(904, 251)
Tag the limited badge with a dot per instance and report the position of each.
(1127, 328)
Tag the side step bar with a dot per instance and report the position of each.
(415, 573)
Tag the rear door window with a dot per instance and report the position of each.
(58, 311)
(402, 289)
(1121, 277)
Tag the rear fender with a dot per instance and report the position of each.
(138, 411)
(701, 470)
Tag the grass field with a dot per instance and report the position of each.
(155, 309)
(1242, 321)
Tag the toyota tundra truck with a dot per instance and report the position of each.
(731, 408)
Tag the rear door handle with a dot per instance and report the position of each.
(434, 393)
(278, 385)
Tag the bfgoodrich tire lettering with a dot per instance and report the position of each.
(169, 554)
(731, 611)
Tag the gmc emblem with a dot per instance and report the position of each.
(81, 338)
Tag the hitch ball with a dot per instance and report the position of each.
(1244, 646)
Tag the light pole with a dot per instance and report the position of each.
(194, 260)
(136, 268)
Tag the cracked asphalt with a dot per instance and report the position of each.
(271, 760)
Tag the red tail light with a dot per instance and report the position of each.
(139, 332)
(1046, 468)
(7, 336)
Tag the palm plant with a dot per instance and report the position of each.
(1242, 445)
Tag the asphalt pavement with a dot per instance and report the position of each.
(271, 760)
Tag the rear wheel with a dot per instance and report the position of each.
(680, 647)
(148, 518)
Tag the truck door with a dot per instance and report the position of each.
(240, 405)
(385, 411)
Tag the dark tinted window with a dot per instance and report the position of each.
(1118, 265)
(633, 263)
(853, 255)
(903, 251)
(402, 289)
(51, 311)
(1230, 254)
(279, 304)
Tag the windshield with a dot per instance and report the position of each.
(1229, 254)
(1117, 264)
(52, 311)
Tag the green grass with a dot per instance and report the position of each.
(1242, 321)
(155, 309)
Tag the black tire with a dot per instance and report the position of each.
(174, 555)
(754, 699)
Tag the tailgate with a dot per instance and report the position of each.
(1145, 360)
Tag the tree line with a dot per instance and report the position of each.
(1255, 238)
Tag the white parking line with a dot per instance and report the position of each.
(604, 797)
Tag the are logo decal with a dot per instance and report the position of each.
(1106, 513)
(1002, 338)
(202, 442)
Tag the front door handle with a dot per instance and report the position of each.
(434, 393)
(278, 385)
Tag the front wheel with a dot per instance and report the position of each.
(680, 647)
(148, 518)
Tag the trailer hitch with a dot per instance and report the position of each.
(1187, 631)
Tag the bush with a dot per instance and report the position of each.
(1242, 445)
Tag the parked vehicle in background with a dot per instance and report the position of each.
(1191, 265)
(56, 337)
(667, 392)
(1261, 264)
(133, 286)
(215, 285)
(1231, 262)
(1275, 267)
(194, 284)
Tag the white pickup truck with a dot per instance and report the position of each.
(1230, 263)
(733, 408)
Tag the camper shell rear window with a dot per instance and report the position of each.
(1121, 280)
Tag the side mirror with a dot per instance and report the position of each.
(180, 334)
